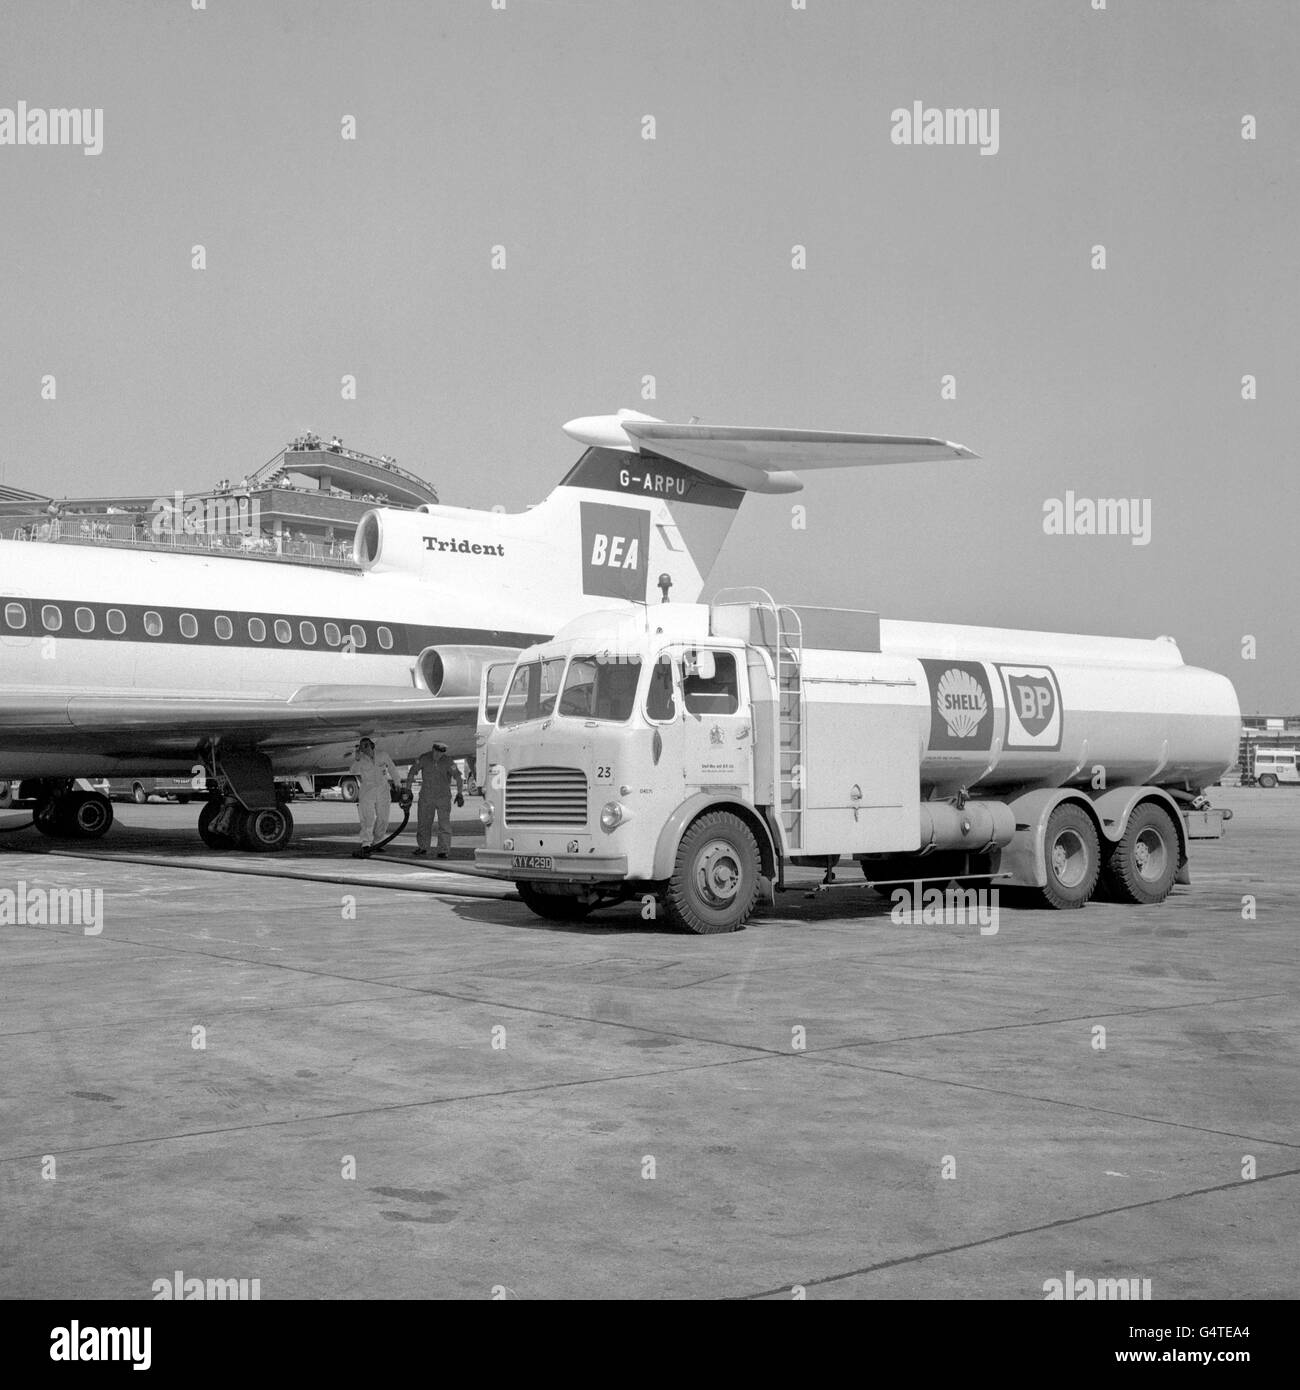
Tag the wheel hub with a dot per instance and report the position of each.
(717, 873)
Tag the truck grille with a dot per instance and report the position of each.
(546, 796)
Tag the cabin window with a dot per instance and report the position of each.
(332, 635)
(358, 634)
(189, 625)
(85, 620)
(15, 615)
(52, 617)
(153, 624)
(601, 687)
(532, 691)
(385, 639)
(224, 628)
(116, 621)
(257, 629)
(283, 630)
(307, 631)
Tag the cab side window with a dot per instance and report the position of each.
(718, 695)
(660, 702)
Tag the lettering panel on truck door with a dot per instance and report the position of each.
(861, 774)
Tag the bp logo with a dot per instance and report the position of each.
(961, 705)
(1033, 706)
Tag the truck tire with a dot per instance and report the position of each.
(1144, 863)
(348, 788)
(1073, 854)
(1268, 780)
(555, 907)
(138, 794)
(715, 878)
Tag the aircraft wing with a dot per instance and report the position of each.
(132, 723)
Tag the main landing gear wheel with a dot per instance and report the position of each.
(86, 815)
(1144, 863)
(1073, 854)
(715, 880)
(217, 839)
(555, 907)
(267, 830)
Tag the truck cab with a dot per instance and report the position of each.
(575, 756)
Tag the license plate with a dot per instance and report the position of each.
(532, 861)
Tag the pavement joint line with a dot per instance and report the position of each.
(393, 1108)
(1133, 1012)
(1014, 1235)
(1053, 1100)
(252, 871)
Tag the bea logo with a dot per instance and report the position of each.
(1033, 707)
(618, 552)
(614, 545)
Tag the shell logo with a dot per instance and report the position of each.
(961, 702)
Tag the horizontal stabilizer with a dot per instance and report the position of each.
(756, 459)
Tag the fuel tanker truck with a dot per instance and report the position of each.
(695, 751)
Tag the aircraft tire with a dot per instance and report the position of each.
(214, 839)
(267, 830)
(85, 816)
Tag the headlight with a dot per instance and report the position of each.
(612, 815)
(485, 813)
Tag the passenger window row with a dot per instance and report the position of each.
(52, 614)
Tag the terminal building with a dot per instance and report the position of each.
(302, 507)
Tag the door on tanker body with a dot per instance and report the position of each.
(716, 718)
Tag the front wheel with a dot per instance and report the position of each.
(138, 794)
(1144, 863)
(348, 788)
(714, 885)
(555, 907)
(1268, 781)
(1073, 854)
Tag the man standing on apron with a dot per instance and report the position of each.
(375, 773)
(437, 771)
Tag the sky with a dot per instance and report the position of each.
(522, 126)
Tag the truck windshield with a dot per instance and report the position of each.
(600, 687)
(532, 692)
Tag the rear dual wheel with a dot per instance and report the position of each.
(1144, 862)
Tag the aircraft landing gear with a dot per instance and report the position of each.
(62, 813)
(245, 809)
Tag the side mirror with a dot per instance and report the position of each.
(701, 665)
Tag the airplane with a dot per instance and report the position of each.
(124, 662)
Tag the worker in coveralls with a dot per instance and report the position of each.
(437, 772)
(375, 773)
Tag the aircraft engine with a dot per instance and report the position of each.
(458, 671)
